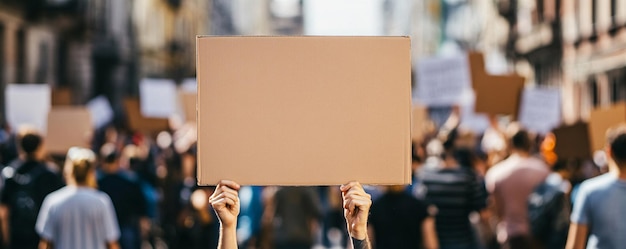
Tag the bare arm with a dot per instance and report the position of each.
(429, 234)
(4, 222)
(356, 206)
(113, 245)
(225, 202)
(45, 244)
(577, 236)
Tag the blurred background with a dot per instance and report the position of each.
(94, 48)
(107, 46)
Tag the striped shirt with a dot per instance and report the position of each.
(456, 192)
(78, 218)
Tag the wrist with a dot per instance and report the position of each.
(226, 226)
(359, 233)
(360, 244)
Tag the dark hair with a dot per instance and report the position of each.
(108, 153)
(465, 157)
(30, 143)
(521, 140)
(414, 155)
(449, 143)
(616, 139)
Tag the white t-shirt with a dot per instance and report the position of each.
(78, 218)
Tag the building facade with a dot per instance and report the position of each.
(579, 46)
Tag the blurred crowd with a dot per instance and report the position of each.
(502, 189)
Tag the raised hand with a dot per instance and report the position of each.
(356, 206)
(225, 202)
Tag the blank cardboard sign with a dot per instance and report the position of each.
(421, 123)
(61, 97)
(304, 110)
(188, 103)
(499, 94)
(572, 141)
(601, 119)
(68, 126)
(138, 122)
(27, 104)
(495, 94)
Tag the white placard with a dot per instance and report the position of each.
(475, 122)
(189, 85)
(343, 17)
(158, 98)
(101, 111)
(441, 81)
(28, 104)
(540, 109)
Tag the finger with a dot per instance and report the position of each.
(360, 202)
(221, 204)
(348, 186)
(230, 184)
(356, 192)
(231, 199)
(227, 189)
(357, 195)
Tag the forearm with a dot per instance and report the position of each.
(4, 223)
(44, 244)
(228, 237)
(361, 244)
(113, 245)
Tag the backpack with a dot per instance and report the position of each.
(548, 213)
(25, 201)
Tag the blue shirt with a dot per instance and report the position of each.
(600, 204)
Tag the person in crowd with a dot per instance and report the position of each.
(27, 182)
(456, 192)
(199, 228)
(126, 195)
(597, 220)
(78, 216)
(399, 220)
(510, 183)
(356, 204)
(294, 213)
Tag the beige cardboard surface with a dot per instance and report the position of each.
(572, 141)
(61, 97)
(138, 122)
(67, 127)
(477, 66)
(495, 94)
(601, 119)
(304, 110)
(499, 94)
(421, 123)
(188, 103)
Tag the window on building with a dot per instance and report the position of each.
(617, 90)
(20, 71)
(595, 98)
(2, 56)
(540, 10)
(613, 12)
(594, 16)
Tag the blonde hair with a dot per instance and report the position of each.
(79, 163)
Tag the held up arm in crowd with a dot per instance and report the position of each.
(225, 202)
(356, 203)
(356, 207)
(4, 223)
(429, 233)
(577, 236)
